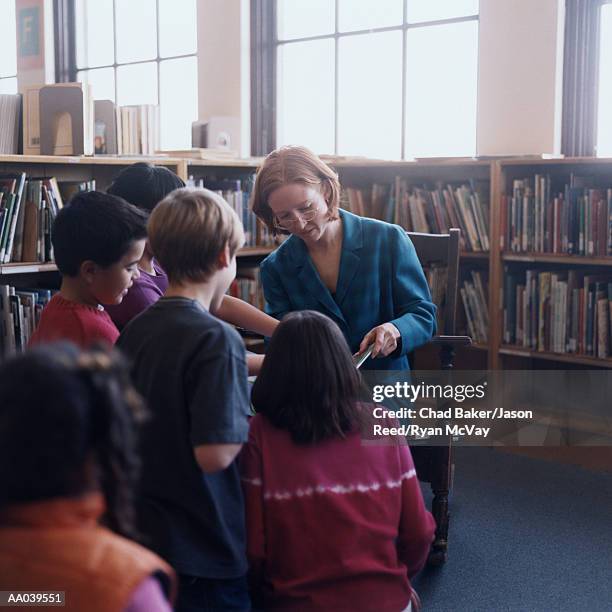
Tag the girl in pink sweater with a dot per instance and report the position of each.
(332, 524)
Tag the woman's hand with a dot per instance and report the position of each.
(384, 337)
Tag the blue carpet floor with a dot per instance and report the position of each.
(525, 534)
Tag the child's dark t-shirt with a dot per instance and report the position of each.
(191, 369)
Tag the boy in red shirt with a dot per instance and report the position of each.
(98, 240)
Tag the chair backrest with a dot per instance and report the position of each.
(442, 251)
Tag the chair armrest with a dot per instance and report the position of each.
(453, 341)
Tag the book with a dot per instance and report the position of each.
(202, 153)
(105, 128)
(10, 123)
(31, 119)
(361, 358)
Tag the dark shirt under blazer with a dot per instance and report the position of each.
(380, 280)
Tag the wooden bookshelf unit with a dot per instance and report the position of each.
(490, 182)
(565, 224)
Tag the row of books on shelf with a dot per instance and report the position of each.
(436, 277)
(237, 192)
(475, 305)
(575, 220)
(10, 115)
(473, 292)
(62, 119)
(559, 312)
(28, 206)
(20, 311)
(137, 130)
(427, 210)
(248, 289)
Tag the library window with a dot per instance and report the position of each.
(377, 79)
(8, 49)
(153, 63)
(604, 113)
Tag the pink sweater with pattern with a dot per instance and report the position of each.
(340, 525)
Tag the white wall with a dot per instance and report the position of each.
(224, 64)
(520, 77)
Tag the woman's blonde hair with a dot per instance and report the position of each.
(187, 231)
(293, 164)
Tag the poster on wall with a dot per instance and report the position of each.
(30, 28)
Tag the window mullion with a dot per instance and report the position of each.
(404, 81)
(158, 60)
(336, 83)
(65, 36)
(115, 50)
(263, 76)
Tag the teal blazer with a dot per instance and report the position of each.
(380, 280)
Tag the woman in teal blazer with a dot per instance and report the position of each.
(362, 273)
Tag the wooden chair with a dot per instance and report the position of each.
(434, 463)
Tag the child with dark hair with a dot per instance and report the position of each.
(97, 240)
(145, 185)
(67, 459)
(340, 525)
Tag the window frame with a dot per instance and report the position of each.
(580, 108)
(265, 44)
(66, 68)
(9, 77)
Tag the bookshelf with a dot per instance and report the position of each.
(422, 183)
(582, 360)
(21, 277)
(556, 236)
(32, 197)
(495, 178)
(27, 268)
(102, 169)
(573, 260)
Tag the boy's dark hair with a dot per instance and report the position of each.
(145, 185)
(67, 427)
(308, 384)
(95, 226)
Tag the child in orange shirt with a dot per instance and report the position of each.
(68, 459)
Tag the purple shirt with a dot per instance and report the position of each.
(148, 597)
(145, 291)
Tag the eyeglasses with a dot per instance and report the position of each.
(305, 214)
